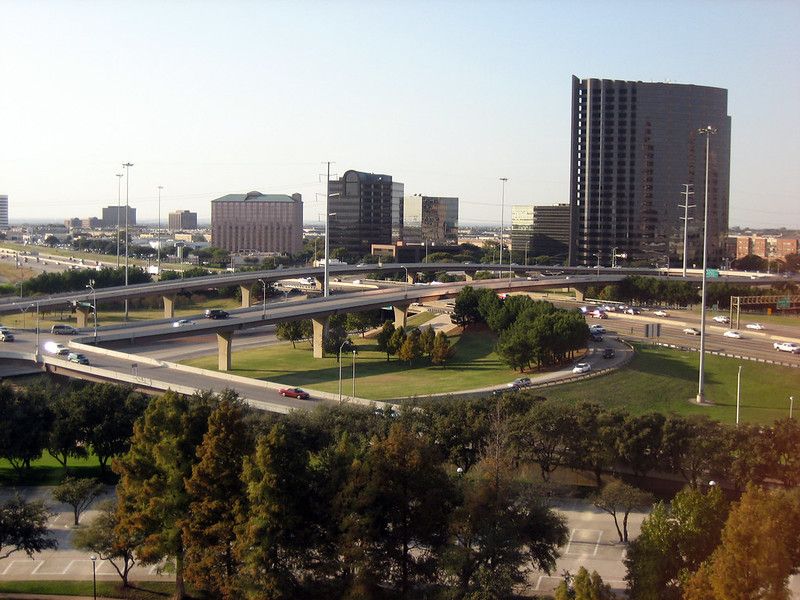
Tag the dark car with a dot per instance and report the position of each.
(609, 353)
(294, 393)
(596, 337)
(77, 358)
(216, 313)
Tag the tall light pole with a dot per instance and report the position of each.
(325, 289)
(94, 576)
(686, 218)
(354, 375)
(127, 166)
(94, 306)
(264, 311)
(738, 393)
(791, 406)
(161, 187)
(502, 220)
(405, 287)
(707, 131)
(119, 199)
(344, 343)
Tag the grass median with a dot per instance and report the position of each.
(140, 590)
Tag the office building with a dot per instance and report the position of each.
(257, 222)
(368, 209)
(3, 212)
(73, 223)
(430, 220)
(110, 216)
(634, 146)
(91, 223)
(539, 231)
(182, 219)
(769, 247)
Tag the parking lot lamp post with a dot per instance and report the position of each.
(354, 372)
(344, 343)
(94, 576)
(708, 131)
(264, 311)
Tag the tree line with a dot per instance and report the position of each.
(77, 280)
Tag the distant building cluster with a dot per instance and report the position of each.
(769, 247)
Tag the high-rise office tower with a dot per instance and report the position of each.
(538, 230)
(634, 146)
(430, 219)
(257, 222)
(182, 219)
(3, 212)
(367, 209)
(112, 213)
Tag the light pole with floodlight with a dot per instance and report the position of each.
(119, 200)
(502, 221)
(354, 372)
(405, 287)
(94, 306)
(708, 131)
(344, 343)
(161, 187)
(127, 166)
(94, 576)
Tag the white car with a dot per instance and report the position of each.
(691, 331)
(757, 326)
(582, 368)
(733, 334)
(182, 323)
(660, 313)
(787, 347)
(597, 329)
(722, 319)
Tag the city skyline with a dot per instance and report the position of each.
(459, 96)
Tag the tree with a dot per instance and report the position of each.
(695, 447)
(152, 491)
(67, 430)
(638, 442)
(384, 338)
(23, 527)
(397, 340)
(584, 586)
(617, 497)
(674, 540)
(515, 347)
(465, 310)
(410, 350)
(217, 493)
(335, 335)
(78, 493)
(427, 340)
(758, 550)
(362, 321)
(543, 436)
(441, 349)
(102, 538)
(25, 420)
(293, 331)
(592, 443)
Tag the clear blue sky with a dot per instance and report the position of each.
(209, 98)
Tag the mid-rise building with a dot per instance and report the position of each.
(182, 219)
(257, 222)
(73, 223)
(3, 212)
(91, 223)
(430, 219)
(115, 215)
(769, 247)
(367, 209)
(538, 230)
(634, 146)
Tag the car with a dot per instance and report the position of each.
(691, 331)
(216, 313)
(6, 336)
(4, 329)
(722, 319)
(757, 326)
(182, 323)
(61, 329)
(294, 393)
(660, 313)
(77, 358)
(733, 334)
(792, 347)
(582, 368)
(632, 311)
(520, 382)
(595, 337)
(609, 353)
(598, 314)
(597, 329)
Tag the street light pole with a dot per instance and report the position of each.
(264, 311)
(354, 373)
(686, 218)
(405, 287)
(127, 166)
(791, 406)
(502, 221)
(119, 198)
(738, 393)
(340, 368)
(94, 576)
(161, 187)
(94, 306)
(708, 131)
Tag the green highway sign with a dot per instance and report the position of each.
(783, 303)
(712, 273)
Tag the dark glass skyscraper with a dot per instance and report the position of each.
(634, 146)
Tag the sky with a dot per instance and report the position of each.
(210, 98)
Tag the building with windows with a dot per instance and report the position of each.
(3, 212)
(182, 219)
(91, 223)
(538, 230)
(367, 208)
(111, 213)
(769, 247)
(430, 219)
(257, 222)
(634, 146)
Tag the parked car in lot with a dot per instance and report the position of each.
(216, 313)
(77, 358)
(609, 353)
(582, 368)
(182, 323)
(660, 313)
(6, 336)
(722, 319)
(756, 326)
(733, 334)
(691, 331)
(787, 347)
(520, 382)
(294, 393)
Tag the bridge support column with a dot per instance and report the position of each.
(224, 343)
(320, 327)
(469, 275)
(320, 284)
(169, 306)
(83, 316)
(400, 314)
(580, 293)
(246, 293)
(411, 279)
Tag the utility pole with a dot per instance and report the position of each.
(119, 199)
(127, 166)
(686, 218)
(707, 131)
(502, 222)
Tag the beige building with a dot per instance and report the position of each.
(257, 222)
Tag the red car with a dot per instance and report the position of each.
(294, 393)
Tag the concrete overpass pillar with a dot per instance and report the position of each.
(411, 279)
(580, 293)
(400, 314)
(320, 284)
(224, 343)
(246, 293)
(169, 306)
(320, 327)
(82, 313)
(469, 275)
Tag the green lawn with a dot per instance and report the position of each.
(47, 470)
(663, 380)
(144, 590)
